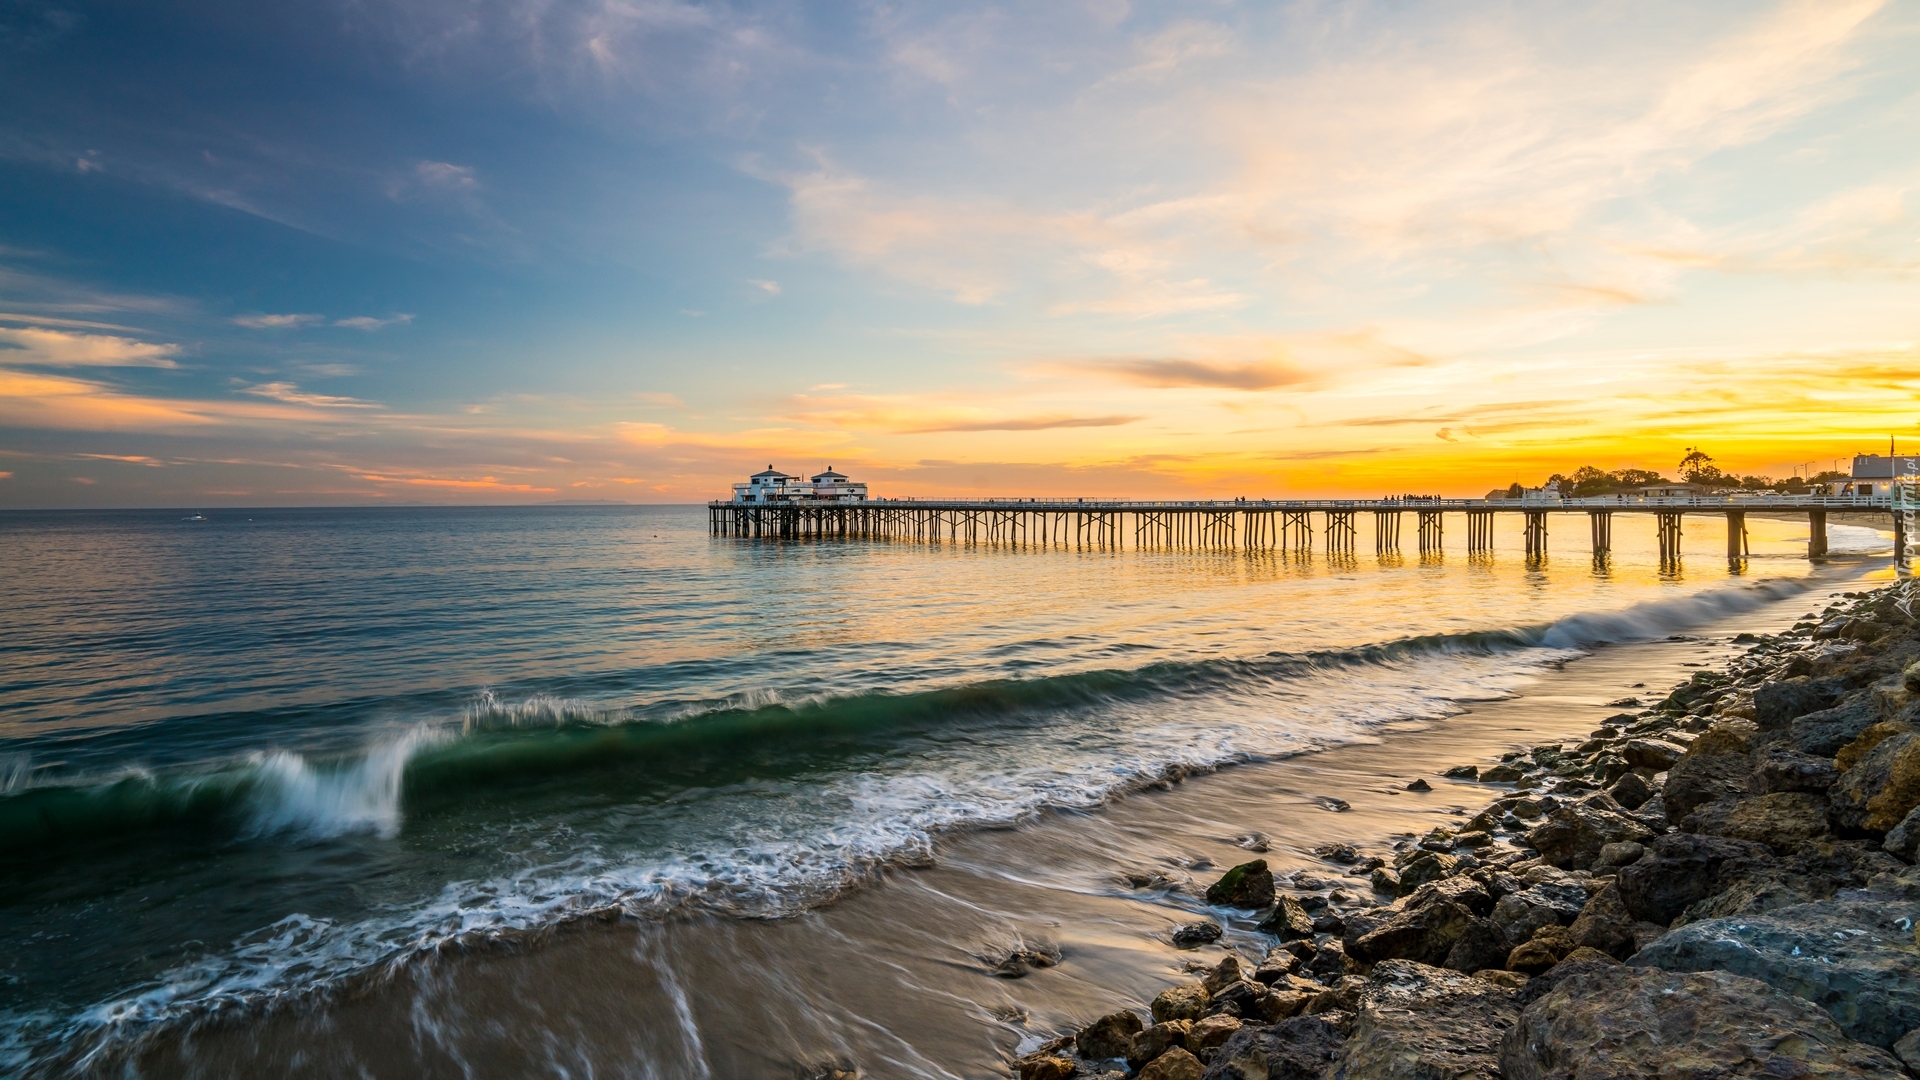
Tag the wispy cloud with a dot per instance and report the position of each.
(1024, 423)
(293, 395)
(1175, 373)
(58, 348)
(277, 322)
(368, 322)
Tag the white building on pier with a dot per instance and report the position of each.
(772, 486)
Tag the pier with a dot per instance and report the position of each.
(1274, 524)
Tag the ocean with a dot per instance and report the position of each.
(251, 757)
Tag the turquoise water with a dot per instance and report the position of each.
(245, 757)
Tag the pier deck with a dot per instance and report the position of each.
(1267, 524)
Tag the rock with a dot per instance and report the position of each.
(1574, 832)
(1330, 960)
(1481, 945)
(1903, 840)
(1473, 838)
(1427, 866)
(1549, 946)
(1385, 879)
(1605, 924)
(1775, 704)
(1850, 754)
(1699, 779)
(1621, 854)
(1108, 1037)
(1184, 1001)
(1287, 920)
(1882, 789)
(1824, 733)
(1512, 980)
(1281, 1004)
(1426, 934)
(1419, 785)
(1227, 972)
(1463, 772)
(1726, 736)
(1416, 1021)
(1907, 1049)
(1155, 1040)
(1615, 1023)
(1209, 1034)
(1175, 1064)
(1651, 754)
(1520, 920)
(1243, 998)
(1563, 900)
(1337, 853)
(1854, 958)
(1046, 1067)
(1277, 965)
(1501, 774)
(1298, 1049)
(1910, 678)
(1194, 935)
(1783, 820)
(1681, 868)
(1249, 885)
(1631, 791)
(1781, 769)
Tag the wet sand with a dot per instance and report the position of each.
(896, 978)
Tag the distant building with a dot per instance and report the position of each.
(773, 486)
(1873, 474)
(1673, 491)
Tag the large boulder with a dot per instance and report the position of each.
(1605, 924)
(1480, 946)
(1824, 733)
(1700, 778)
(1288, 920)
(1624, 1023)
(1108, 1037)
(1416, 1021)
(1182, 1001)
(1297, 1049)
(1903, 840)
(1680, 869)
(1249, 885)
(1574, 833)
(1780, 768)
(1175, 1064)
(1882, 789)
(1776, 704)
(1850, 754)
(1153, 1041)
(1426, 934)
(1857, 959)
(1783, 820)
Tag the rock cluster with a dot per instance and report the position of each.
(1720, 885)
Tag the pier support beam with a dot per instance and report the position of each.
(1669, 538)
(1431, 525)
(1900, 539)
(1602, 523)
(1536, 532)
(1736, 535)
(1340, 531)
(1816, 534)
(1479, 530)
(1386, 531)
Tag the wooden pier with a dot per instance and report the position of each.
(1265, 525)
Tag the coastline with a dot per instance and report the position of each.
(898, 978)
(1722, 884)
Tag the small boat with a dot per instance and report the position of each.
(194, 517)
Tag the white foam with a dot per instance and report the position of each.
(1858, 540)
(294, 796)
(1658, 618)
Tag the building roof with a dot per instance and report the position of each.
(770, 473)
(828, 475)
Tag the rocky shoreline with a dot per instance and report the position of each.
(1719, 884)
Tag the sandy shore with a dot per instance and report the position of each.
(898, 979)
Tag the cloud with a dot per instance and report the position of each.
(1025, 423)
(771, 288)
(445, 176)
(368, 322)
(277, 322)
(293, 395)
(1197, 373)
(58, 348)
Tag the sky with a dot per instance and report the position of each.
(502, 251)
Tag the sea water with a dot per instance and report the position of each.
(246, 758)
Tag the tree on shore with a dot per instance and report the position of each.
(1698, 468)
